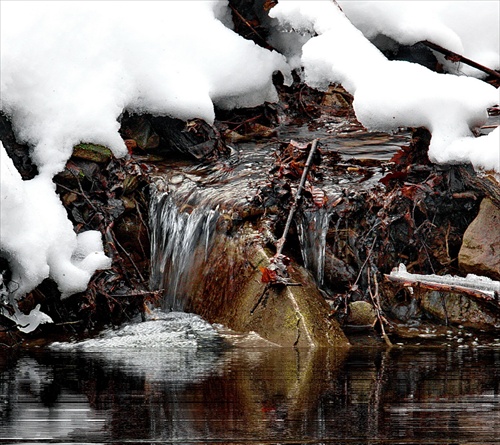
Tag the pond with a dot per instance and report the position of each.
(230, 389)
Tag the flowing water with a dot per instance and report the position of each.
(190, 203)
(177, 380)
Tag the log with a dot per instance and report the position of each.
(442, 287)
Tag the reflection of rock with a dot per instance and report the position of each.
(480, 252)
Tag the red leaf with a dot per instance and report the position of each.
(268, 275)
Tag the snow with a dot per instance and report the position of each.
(69, 69)
(471, 281)
(38, 238)
(451, 24)
(393, 94)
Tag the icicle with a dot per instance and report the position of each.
(312, 227)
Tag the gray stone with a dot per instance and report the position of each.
(480, 251)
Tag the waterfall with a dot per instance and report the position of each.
(312, 228)
(180, 238)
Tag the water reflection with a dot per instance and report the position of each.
(216, 395)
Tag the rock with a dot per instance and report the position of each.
(338, 274)
(361, 313)
(480, 251)
(459, 309)
(92, 152)
(226, 288)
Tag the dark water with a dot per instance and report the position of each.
(214, 395)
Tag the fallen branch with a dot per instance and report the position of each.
(375, 297)
(454, 57)
(443, 287)
(281, 241)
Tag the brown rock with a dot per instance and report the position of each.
(480, 251)
(361, 313)
(227, 286)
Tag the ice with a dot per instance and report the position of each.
(161, 331)
(27, 323)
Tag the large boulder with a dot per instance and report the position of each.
(480, 251)
(226, 288)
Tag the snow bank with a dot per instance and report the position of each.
(393, 94)
(69, 69)
(39, 240)
(469, 28)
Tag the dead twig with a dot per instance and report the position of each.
(129, 257)
(454, 57)
(281, 241)
(375, 297)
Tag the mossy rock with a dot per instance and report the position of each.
(228, 290)
(92, 152)
(361, 313)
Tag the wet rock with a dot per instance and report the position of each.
(459, 309)
(338, 274)
(166, 135)
(361, 313)
(19, 153)
(139, 134)
(227, 289)
(480, 251)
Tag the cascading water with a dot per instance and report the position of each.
(189, 204)
(312, 228)
(180, 238)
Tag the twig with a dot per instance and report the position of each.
(83, 193)
(375, 297)
(454, 57)
(129, 257)
(364, 264)
(247, 23)
(281, 241)
(261, 298)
